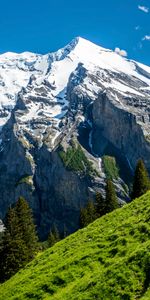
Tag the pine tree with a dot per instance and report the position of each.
(19, 242)
(111, 201)
(87, 214)
(56, 233)
(83, 217)
(99, 205)
(141, 182)
(25, 222)
(1, 240)
(91, 216)
(53, 236)
(14, 253)
(51, 239)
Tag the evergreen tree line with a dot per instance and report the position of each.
(19, 242)
(55, 236)
(102, 206)
(99, 207)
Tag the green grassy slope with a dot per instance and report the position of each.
(108, 260)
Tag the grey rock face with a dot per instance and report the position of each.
(61, 193)
(120, 127)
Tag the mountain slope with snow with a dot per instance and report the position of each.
(16, 71)
(81, 94)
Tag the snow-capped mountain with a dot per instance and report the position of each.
(82, 92)
(42, 80)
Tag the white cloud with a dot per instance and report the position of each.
(143, 8)
(146, 38)
(121, 52)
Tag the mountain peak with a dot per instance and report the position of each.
(79, 45)
(80, 39)
(84, 43)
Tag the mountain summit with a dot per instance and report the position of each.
(81, 98)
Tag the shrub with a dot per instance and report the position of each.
(74, 159)
(110, 167)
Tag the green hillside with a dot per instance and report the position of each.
(108, 260)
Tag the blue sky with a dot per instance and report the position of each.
(43, 25)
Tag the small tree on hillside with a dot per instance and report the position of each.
(53, 236)
(141, 182)
(111, 201)
(87, 214)
(83, 217)
(99, 205)
(91, 216)
(51, 239)
(25, 222)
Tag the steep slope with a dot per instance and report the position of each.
(15, 72)
(82, 94)
(110, 259)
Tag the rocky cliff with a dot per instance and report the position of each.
(122, 128)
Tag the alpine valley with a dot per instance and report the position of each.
(68, 120)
